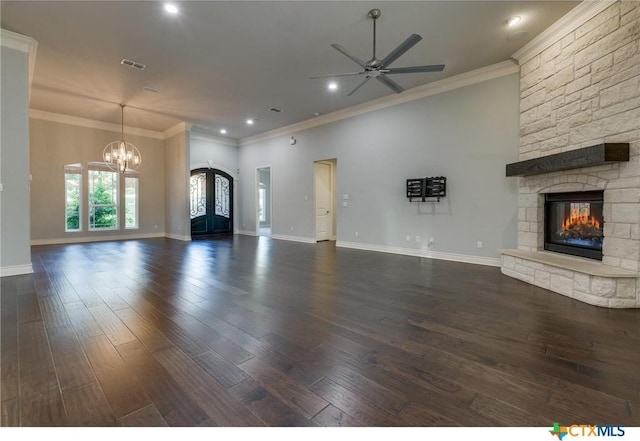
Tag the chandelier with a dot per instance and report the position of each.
(121, 156)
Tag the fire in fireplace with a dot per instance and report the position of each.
(573, 223)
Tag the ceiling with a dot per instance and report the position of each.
(217, 63)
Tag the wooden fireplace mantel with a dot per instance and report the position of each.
(600, 154)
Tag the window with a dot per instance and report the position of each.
(131, 201)
(103, 199)
(73, 197)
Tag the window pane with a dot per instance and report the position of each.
(198, 193)
(131, 202)
(103, 200)
(222, 196)
(73, 181)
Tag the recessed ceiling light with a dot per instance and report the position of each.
(333, 86)
(223, 131)
(250, 121)
(514, 21)
(171, 8)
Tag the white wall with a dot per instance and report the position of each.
(222, 154)
(467, 134)
(15, 253)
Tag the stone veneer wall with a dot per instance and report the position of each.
(584, 90)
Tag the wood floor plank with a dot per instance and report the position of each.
(331, 416)
(123, 392)
(171, 401)
(40, 399)
(9, 358)
(72, 367)
(416, 415)
(149, 335)
(352, 404)
(293, 393)
(82, 321)
(88, 407)
(268, 407)
(222, 408)
(53, 312)
(28, 308)
(225, 372)
(504, 414)
(111, 325)
(9, 413)
(148, 416)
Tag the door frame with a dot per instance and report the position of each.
(257, 197)
(333, 224)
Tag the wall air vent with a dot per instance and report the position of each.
(133, 64)
(151, 89)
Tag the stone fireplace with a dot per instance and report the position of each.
(580, 93)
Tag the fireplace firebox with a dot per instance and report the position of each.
(574, 224)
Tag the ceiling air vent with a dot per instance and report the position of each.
(133, 64)
(275, 109)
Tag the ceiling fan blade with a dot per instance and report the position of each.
(390, 83)
(348, 54)
(414, 69)
(358, 86)
(397, 52)
(337, 75)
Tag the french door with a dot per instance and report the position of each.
(211, 195)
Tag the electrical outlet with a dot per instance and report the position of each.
(291, 228)
(431, 241)
(408, 238)
(356, 234)
(345, 203)
(417, 238)
(479, 244)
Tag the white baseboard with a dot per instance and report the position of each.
(293, 238)
(15, 270)
(464, 258)
(246, 232)
(70, 239)
(182, 237)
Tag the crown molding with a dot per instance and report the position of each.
(21, 43)
(18, 42)
(92, 124)
(178, 128)
(578, 16)
(466, 79)
(217, 139)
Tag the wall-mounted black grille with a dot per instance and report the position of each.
(426, 188)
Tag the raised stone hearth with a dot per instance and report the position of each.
(582, 90)
(580, 279)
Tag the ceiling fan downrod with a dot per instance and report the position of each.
(374, 14)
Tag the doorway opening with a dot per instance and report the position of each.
(211, 202)
(325, 190)
(263, 205)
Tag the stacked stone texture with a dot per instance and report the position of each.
(581, 91)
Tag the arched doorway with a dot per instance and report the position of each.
(211, 196)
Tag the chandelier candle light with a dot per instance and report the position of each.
(121, 156)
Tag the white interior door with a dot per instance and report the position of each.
(323, 201)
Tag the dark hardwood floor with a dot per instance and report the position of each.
(247, 331)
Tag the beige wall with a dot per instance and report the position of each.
(178, 225)
(53, 145)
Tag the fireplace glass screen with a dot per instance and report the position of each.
(573, 223)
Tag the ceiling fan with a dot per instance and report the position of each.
(379, 69)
